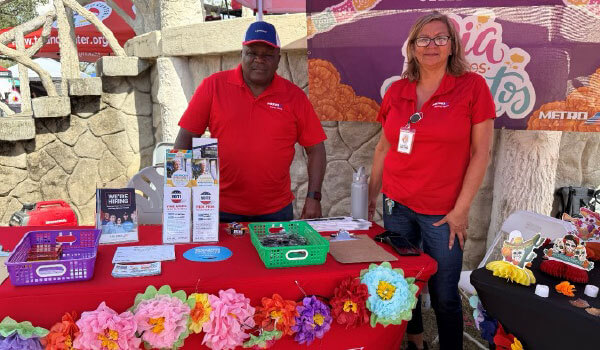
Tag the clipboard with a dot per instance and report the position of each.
(360, 250)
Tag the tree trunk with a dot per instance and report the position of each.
(525, 174)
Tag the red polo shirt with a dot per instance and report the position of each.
(429, 179)
(256, 138)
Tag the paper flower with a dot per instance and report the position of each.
(391, 296)
(276, 313)
(25, 329)
(103, 328)
(488, 329)
(63, 333)
(264, 340)
(16, 342)
(200, 313)
(478, 311)
(565, 288)
(314, 320)
(516, 345)
(506, 341)
(162, 317)
(348, 305)
(231, 316)
(20, 335)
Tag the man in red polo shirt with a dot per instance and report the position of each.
(258, 117)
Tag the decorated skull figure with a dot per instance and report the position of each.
(517, 255)
(559, 246)
(580, 253)
(570, 245)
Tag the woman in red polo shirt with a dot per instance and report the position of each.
(430, 161)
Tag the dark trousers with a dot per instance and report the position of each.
(285, 214)
(443, 286)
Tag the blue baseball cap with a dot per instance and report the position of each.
(262, 32)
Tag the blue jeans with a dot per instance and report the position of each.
(285, 214)
(443, 286)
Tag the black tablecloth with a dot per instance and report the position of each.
(540, 323)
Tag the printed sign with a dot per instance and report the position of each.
(544, 80)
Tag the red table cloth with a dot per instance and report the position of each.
(244, 271)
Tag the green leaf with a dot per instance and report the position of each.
(25, 329)
(181, 295)
(165, 290)
(373, 320)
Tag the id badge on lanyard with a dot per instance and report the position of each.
(407, 134)
(406, 139)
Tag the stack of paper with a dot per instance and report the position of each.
(146, 253)
(339, 222)
(138, 270)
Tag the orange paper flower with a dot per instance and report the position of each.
(276, 313)
(62, 334)
(565, 288)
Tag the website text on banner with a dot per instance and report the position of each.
(534, 55)
(91, 44)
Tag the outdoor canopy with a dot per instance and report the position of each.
(49, 65)
(274, 6)
(91, 44)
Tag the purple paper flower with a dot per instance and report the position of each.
(314, 320)
(488, 329)
(16, 342)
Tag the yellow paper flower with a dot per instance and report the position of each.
(200, 314)
(516, 345)
(350, 306)
(318, 319)
(109, 339)
(158, 324)
(385, 290)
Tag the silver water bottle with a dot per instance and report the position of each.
(359, 194)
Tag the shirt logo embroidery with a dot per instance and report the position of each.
(440, 105)
(275, 105)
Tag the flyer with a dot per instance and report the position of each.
(116, 215)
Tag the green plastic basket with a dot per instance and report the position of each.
(315, 253)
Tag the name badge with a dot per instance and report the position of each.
(405, 140)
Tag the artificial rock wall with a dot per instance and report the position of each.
(102, 143)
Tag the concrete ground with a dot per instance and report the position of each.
(431, 329)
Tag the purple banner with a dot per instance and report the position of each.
(313, 6)
(541, 63)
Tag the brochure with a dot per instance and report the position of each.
(144, 253)
(138, 270)
(116, 215)
(177, 215)
(178, 168)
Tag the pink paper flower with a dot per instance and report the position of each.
(231, 316)
(104, 329)
(162, 319)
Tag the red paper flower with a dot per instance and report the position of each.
(62, 334)
(502, 339)
(348, 305)
(276, 313)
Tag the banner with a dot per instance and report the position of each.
(540, 58)
(91, 44)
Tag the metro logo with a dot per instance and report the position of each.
(569, 115)
(595, 120)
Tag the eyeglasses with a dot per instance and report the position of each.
(438, 41)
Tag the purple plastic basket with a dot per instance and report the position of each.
(79, 249)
